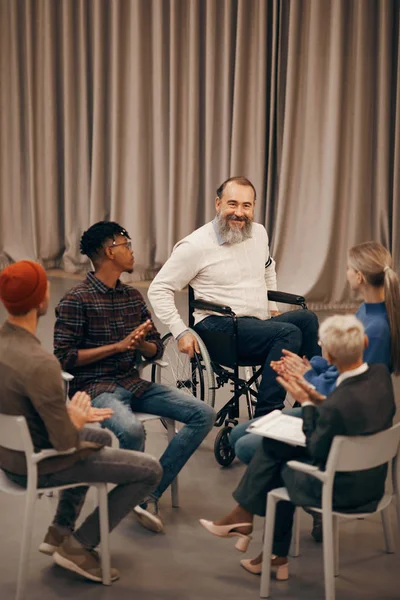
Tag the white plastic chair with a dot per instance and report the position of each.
(143, 417)
(346, 454)
(14, 435)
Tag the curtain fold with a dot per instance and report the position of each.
(337, 141)
(137, 110)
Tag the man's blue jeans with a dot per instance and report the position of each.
(245, 444)
(264, 341)
(167, 402)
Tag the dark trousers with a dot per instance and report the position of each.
(266, 473)
(135, 473)
(295, 330)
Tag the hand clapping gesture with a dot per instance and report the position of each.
(82, 412)
(300, 389)
(136, 337)
(291, 364)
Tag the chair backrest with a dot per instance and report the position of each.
(363, 452)
(14, 434)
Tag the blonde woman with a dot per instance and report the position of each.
(369, 273)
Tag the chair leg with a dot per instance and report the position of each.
(295, 545)
(335, 533)
(387, 530)
(25, 544)
(267, 548)
(328, 543)
(104, 533)
(398, 517)
(174, 484)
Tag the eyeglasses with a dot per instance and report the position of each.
(127, 244)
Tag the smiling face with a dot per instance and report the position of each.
(235, 212)
(236, 206)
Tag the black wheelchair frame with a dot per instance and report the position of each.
(223, 350)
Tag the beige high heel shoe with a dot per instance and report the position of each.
(278, 567)
(229, 531)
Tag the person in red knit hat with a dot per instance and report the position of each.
(31, 386)
(24, 286)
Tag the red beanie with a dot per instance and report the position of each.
(23, 286)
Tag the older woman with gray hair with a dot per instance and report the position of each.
(361, 404)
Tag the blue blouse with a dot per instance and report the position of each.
(376, 324)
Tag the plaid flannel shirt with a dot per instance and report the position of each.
(92, 315)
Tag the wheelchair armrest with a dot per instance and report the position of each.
(286, 298)
(312, 470)
(218, 308)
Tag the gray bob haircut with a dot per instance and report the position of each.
(342, 336)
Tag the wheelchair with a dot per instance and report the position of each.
(216, 365)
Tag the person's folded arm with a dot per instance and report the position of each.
(178, 271)
(45, 391)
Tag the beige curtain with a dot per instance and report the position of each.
(136, 110)
(338, 140)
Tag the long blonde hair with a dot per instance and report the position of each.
(375, 264)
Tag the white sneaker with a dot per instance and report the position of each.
(149, 516)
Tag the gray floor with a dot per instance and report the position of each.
(186, 562)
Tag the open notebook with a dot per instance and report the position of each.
(278, 426)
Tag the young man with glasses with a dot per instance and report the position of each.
(102, 328)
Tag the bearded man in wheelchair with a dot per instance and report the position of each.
(236, 322)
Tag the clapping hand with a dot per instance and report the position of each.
(278, 366)
(98, 415)
(136, 337)
(291, 363)
(140, 333)
(81, 411)
(300, 389)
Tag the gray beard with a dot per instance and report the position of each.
(233, 236)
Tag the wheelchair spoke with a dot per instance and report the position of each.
(193, 376)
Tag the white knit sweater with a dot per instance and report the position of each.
(229, 274)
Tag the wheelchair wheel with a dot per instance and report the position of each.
(193, 376)
(223, 451)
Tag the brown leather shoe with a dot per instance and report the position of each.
(73, 556)
(52, 540)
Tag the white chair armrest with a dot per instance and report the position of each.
(312, 470)
(39, 456)
(161, 363)
(66, 376)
